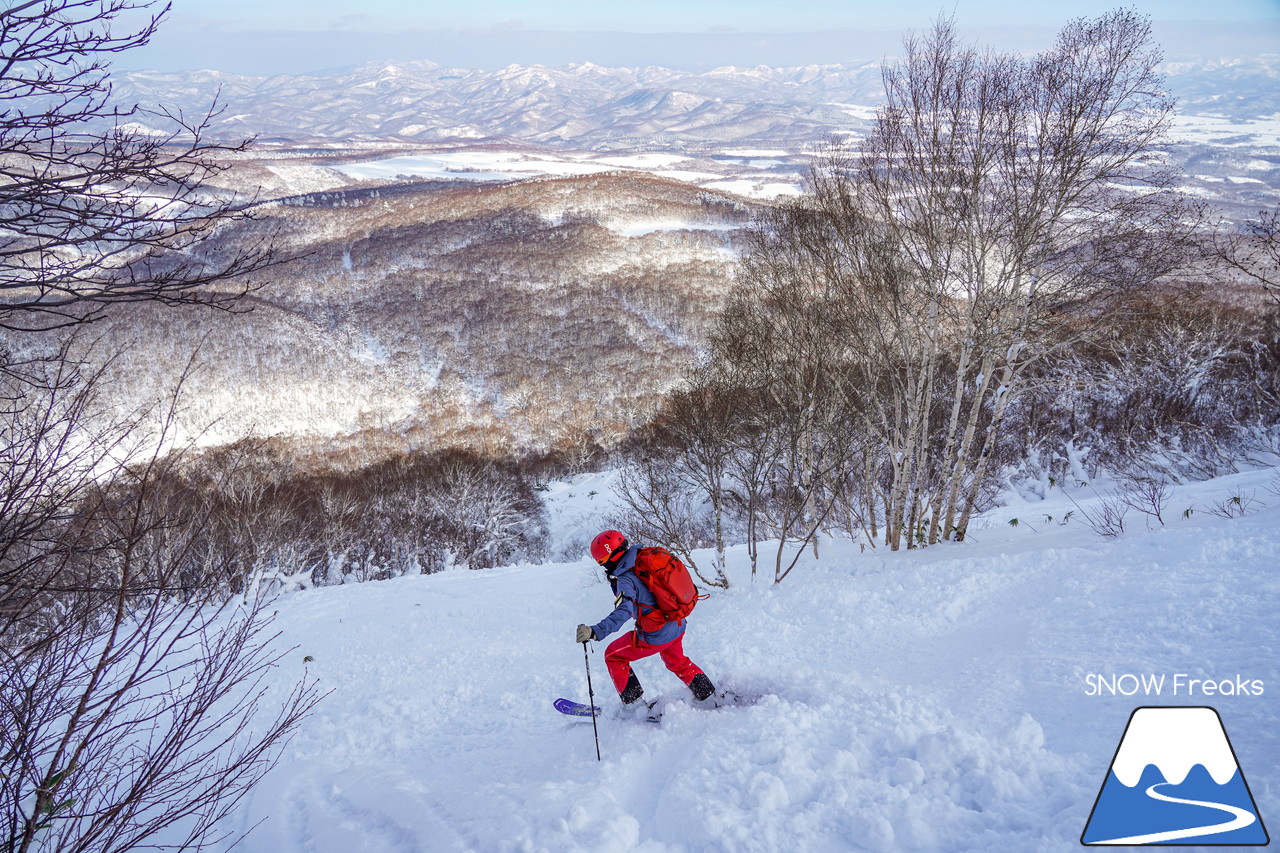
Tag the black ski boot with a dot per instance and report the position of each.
(633, 706)
(702, 687)
(633, 691)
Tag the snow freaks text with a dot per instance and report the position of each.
(1178, 684)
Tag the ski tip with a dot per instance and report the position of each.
(575, 709)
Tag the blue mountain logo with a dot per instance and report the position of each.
(1175, 780)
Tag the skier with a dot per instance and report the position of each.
(652, 636)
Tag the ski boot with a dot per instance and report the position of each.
(703, 690)
(634, 707)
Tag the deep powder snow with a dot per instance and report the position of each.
(934, 700)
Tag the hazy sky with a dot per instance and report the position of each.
(268, 36)
(678, 15)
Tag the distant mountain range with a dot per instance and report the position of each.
(582, 105)
(589, 106)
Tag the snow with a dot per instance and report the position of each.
(644, 160)
(298, 177)
(469, 165)
(757, 189)
(859, 111)
(641, 227)
(748, 178)
(686, 175)
(1226, 132)
(931, 700)
(755, 152)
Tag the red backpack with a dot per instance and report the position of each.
(672, 588)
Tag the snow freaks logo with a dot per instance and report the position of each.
(1175, 780)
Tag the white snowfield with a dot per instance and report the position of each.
(470, 165)
(493, 164)
(935, 700)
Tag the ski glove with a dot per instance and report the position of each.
(585, 633)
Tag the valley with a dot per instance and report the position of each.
(530, 285)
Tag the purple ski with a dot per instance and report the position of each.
(575, 709)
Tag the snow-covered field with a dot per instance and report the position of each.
(758, 173)
(1230, 133)
(936, 700)
(486, 165)
(752, 177)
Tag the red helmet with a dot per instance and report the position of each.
(607, 546)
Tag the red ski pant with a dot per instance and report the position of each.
(629, 647)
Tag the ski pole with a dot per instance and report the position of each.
(591, 697)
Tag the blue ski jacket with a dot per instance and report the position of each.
(631, 592)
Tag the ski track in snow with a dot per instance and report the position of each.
(931, 700)
(1240, 818)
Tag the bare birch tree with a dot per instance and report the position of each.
(776, 342)
(996, 202)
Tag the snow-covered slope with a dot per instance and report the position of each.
(937, 700)
(457, 314)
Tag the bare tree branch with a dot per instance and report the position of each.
(95, 207)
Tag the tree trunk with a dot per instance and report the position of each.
(961, 464)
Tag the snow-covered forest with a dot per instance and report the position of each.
(985, 418)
